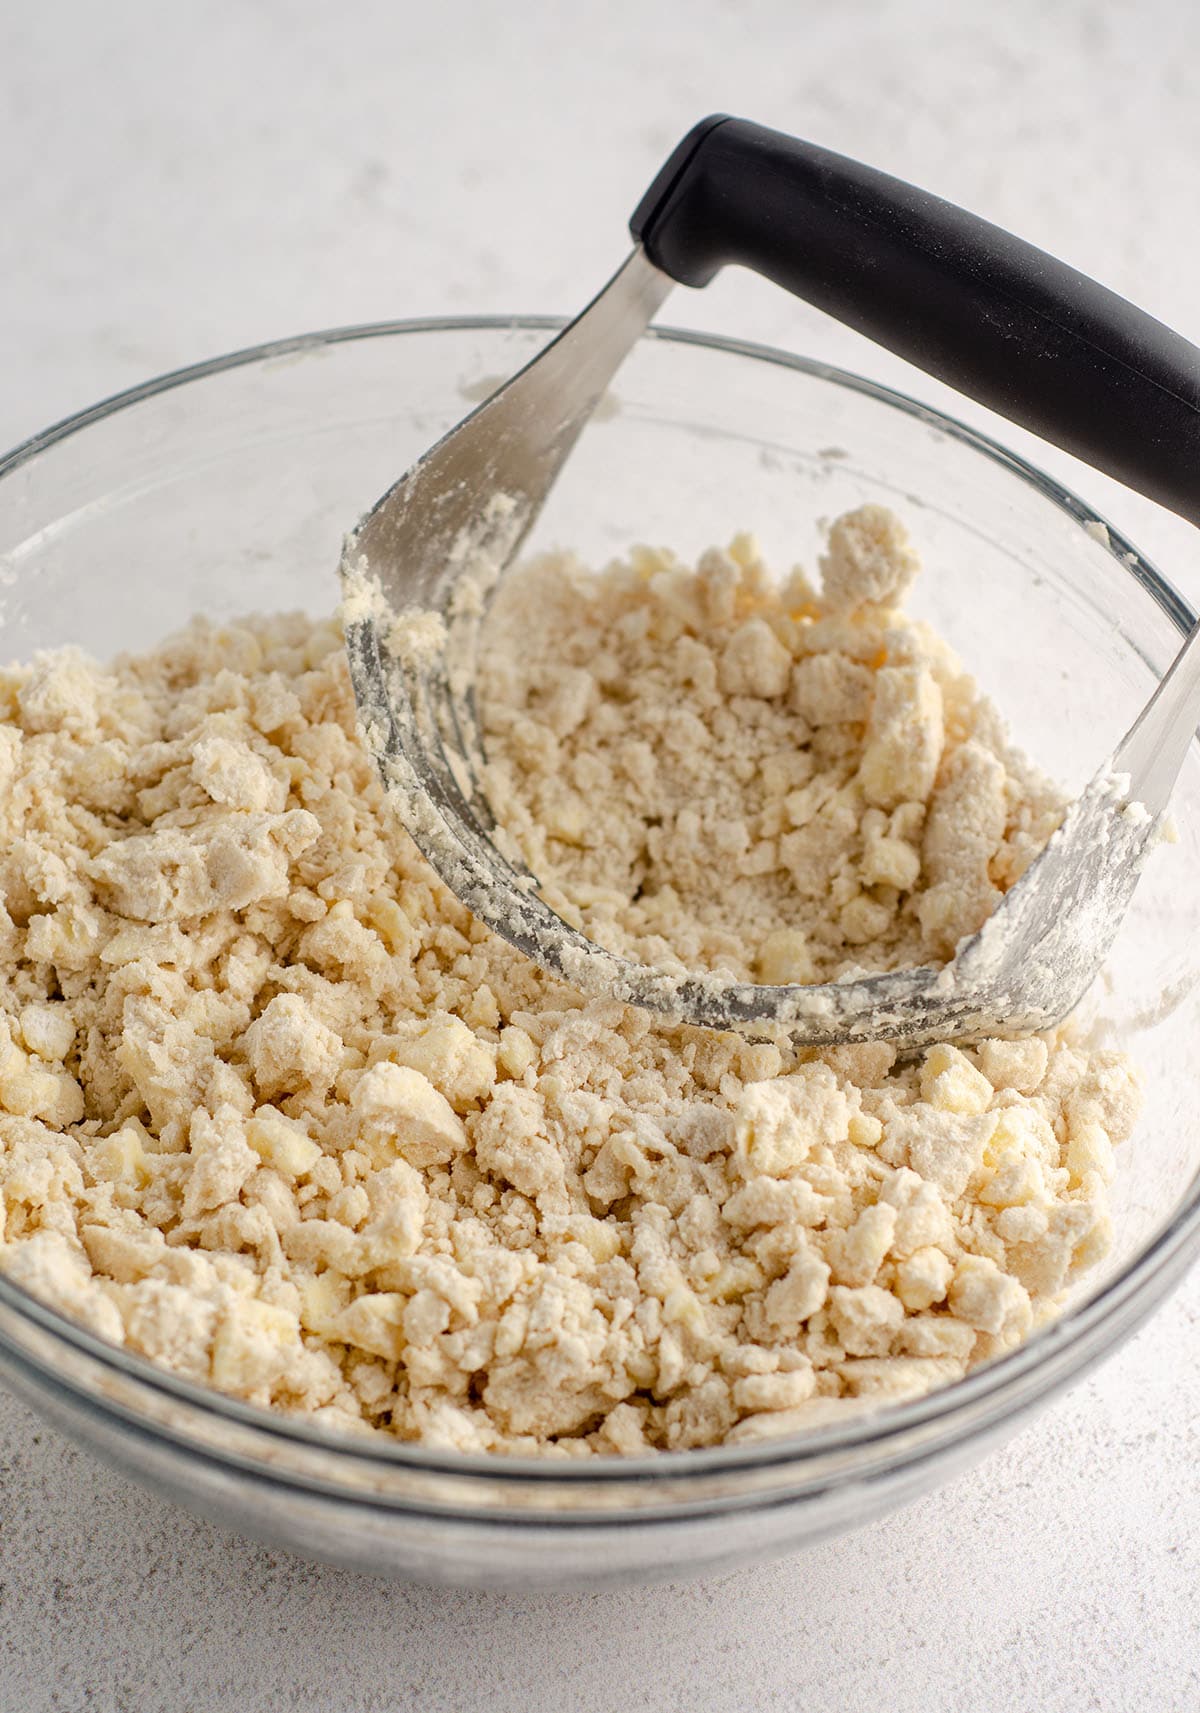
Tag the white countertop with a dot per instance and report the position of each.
(173, 190)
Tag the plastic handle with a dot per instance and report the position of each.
(997, 319)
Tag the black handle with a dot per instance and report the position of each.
(1005, 323)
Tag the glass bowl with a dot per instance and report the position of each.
(228, 486)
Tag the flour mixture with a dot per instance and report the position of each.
(278, 1114)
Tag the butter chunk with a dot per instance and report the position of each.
(229, 772)
(797, 1296)
(453, 1058)
(778, 1123)
(951, 1083)
(48, 1031)
(221, 1161)
(923, 1278)
(254, 1344)
(866, 1318)
(375, 1322)
(784, 957)
(757, 1392)
(29, 1090)
(281, 1144)
(905, 735)
(831, 689)
(986, 1298)
(1018, 1065)
(400, 1102)
(289, 1050)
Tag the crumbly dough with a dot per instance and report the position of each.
(707, 772)
(277, 1113)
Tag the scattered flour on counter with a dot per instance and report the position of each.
(277, 1113)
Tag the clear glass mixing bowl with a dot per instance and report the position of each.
(228, 486)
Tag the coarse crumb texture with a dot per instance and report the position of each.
(708, 771)
(281, 1116)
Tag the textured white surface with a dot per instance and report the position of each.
(179, 185)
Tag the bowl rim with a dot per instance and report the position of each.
(1163, 1256)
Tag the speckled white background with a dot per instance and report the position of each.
(182, 180)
